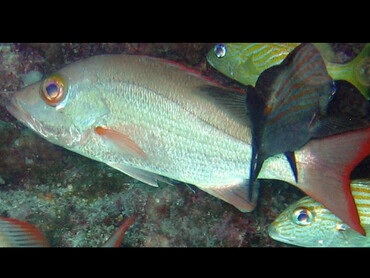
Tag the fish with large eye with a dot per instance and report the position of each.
(302, 216)
(53, 90)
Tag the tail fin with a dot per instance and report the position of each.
(325, 166)
(355, 72)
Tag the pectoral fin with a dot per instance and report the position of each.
(120, 140)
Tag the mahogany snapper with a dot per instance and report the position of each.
(158, 121)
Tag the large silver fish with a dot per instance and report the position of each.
(156, 120)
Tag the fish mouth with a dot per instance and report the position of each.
(17, 111)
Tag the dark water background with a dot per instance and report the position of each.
(76, 201)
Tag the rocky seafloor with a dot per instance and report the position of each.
(78, 202)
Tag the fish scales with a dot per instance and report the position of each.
(244, 62)
(153, 119)
(325, 229)
(177, 124)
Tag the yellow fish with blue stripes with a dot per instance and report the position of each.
(307, 223)
(244, 62)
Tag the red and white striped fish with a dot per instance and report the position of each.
(15, 233)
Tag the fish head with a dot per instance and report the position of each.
(223, 57)
(63, 107)
(309, 224)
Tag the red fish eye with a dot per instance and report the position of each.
(53, 90)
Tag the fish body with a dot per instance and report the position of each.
(244, 62)
(307, 223)
(159, 121)
(15, 233)
(287, 103)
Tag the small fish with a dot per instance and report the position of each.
(117, 237)
(157, 121)
(15, 233)
(286, 105)
(244, 62)
(307, 223)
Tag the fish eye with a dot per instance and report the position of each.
(302, 216)
(53, 90)
(220, 50)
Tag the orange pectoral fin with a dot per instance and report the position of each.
(120, 140)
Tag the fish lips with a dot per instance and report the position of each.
(16, 110)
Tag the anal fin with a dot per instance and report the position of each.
(139, 174)
(235, 194)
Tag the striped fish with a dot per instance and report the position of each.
(15, 233)
(244, 62)
(286, 106)
(308, 223)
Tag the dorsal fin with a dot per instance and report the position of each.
(231, 100)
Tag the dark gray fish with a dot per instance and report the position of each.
(286, 105)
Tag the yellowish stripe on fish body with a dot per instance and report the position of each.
(268, 55)
(361, 194)
(324, 228)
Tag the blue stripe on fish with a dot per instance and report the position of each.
(285, 105)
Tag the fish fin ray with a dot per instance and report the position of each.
(235, 195)
(326, 177)
(293, 164)
(139, 174)
(22, 234)
(331, 125)
(120, 140)
(256, 106)
(255, 168)
(326, 51)
(354, 71)
(229, 100)
(286, 99)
